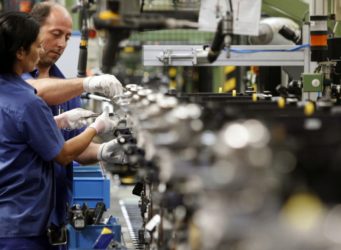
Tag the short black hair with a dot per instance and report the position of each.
(41, 11)
(17, 30)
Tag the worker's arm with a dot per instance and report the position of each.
(89, 155)
(75, 146)
(56, 91)
(111, 152)
(73, 119)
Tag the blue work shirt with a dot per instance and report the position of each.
(29, 142)
(64, 175)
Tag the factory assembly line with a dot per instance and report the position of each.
(231, 142)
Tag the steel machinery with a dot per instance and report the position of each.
(241, 170)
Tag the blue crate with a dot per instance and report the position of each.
(90, 185)
(84, 239)
(87, 171)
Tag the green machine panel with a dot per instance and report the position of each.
(312, 82)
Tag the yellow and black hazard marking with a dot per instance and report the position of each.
(230, 83)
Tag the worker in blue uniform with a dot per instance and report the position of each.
(30, 141)
(63, 94)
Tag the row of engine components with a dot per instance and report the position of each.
(218, 171)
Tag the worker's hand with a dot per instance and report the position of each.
(105, 84)
(103, 123)
(111, 152)
(73, 119)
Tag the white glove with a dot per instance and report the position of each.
(105, 84)
(111, 152)
(103, 123)
(73, 119)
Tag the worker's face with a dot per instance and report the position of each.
(56, 31)
(28, 59)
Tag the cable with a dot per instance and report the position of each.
(297, 48)
(231, 9)
(83, 46)
(142, 6)
(222, 37)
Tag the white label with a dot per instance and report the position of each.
(246, 15)
(153, 222)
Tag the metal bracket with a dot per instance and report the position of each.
(195, 56)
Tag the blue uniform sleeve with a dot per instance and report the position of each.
(40, 130)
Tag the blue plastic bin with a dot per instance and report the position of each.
(84, 239)
(90, 185)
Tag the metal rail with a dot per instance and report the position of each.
(189, 55)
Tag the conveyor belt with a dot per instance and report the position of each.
(132, 215)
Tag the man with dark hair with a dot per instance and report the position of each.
(56, 28)
(63, 94)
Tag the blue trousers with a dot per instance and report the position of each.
(25, 243)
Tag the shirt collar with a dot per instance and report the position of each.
(54, 71)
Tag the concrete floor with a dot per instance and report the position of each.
(122, 195)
